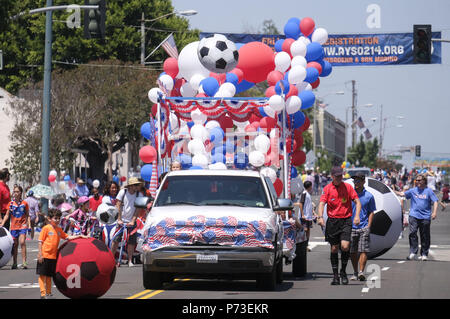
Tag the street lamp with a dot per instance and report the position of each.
(183, 13)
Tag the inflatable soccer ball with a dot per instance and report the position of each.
(107, 214)
(217, 53)
(6, 246)
(85, 268)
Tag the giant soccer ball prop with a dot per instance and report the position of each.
(6, 246)
(217, 53)
(387, 220)
(85, 268)
(107, 214)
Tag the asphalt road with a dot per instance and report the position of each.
(391, 277)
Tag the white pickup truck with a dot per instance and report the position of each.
(215, 223)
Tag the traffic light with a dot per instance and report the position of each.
(94, 20)
(417, 150)
(422, 43)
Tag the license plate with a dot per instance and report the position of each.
(207, 259)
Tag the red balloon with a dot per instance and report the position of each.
(270, 91)
(220, 77)
(123, 179)
(256, 124)
(315, 84)
(298, 158)
(201, 95)
(225, 122)
(51, 178)
(170, 66)
(256, 60)
(274, 76)
(268, 123)
(286, 47)
(239, 74)
(307, 26)
(306, 124)
(316, 65)
(298, 138)
(147, 154)
(254, 118)
(278, 185)
(293, 90)
(288, 145)
(250, 128)
(154, 109)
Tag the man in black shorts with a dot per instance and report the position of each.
(338, 197)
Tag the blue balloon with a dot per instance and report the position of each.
(312, 74)
(218, 157)
(278, 87)
(292, 30)
(195, 167)
(146, 130)
(185, 160)
(219, 149)
(116, 179)
(444, 172)
(190, 124)
(297, 119)
(216, 134)
(243, 86)
(261, 111)
(232, 78)
(210, 85)
(294, 20)
(67, 178)
(279, 45)
(240, 160)
(146, 172)
(314, 51)
(294, 172)
(326, 68)
(308, 98)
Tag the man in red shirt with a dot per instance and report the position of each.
(338, 197)
(5, 196)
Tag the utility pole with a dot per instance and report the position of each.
(143, 39)
(380, 152)
(354, 114)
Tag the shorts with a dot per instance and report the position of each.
(338, 229)
(306, 223)
(46, 268)
(15, 233)
(360, 240)
(132, 239)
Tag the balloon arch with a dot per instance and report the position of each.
(197, 119)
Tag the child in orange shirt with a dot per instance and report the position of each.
(48, 250)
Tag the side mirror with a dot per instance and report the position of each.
(142, 202)
(284, 204)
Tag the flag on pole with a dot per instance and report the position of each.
(170, 47)
(360, 122)
(154, 179)
(367, 134)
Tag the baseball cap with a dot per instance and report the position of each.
(336, 171)
(360, 175)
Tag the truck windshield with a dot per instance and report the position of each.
(212, 190)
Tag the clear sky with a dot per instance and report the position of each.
(419, 93)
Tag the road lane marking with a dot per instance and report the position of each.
(140, 294)
(385, 268)
(152, 294)
(365, 289)
(401, 262)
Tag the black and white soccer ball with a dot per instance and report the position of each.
(6, 246)
(387, 219)
(217, 53)
(107, 214)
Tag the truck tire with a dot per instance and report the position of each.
(268, 281)
(299, 264)
(152, 279)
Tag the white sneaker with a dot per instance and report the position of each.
(423, 258)
(411, 256)
(130, 264)
(354, 277)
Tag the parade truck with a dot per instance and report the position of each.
(216, 223)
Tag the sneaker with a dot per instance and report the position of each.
(14, 266)
(344, 278)
(411, 256)
(49, 296)
(335, 281)
(24, 266)
(423, 258)
(130, 264)
(44, 297)
(354, 277)
(361, 276)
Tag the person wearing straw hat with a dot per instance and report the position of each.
(80, 189)
(127, 215)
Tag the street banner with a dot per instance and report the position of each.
(355, 49)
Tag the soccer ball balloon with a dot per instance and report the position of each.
(85, 268)
(387, 219)
(217, 53)
(107, 214)
(6, 246)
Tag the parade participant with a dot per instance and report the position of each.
(360, 243)
(110, 193)
(306, 208)
(48, 249)
(175, 166)
(5, 197)
(79, 217)
(127, 216)
(445, 194)
(338, 197)
(95, 200)
(420, 216)
(80, 189)
(33, 205)
(20, 223)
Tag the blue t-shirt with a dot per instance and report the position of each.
(421, 200)
(367, 206)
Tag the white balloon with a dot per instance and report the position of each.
(298, 48)
(304, 86)
(196, 146)
(188, 62)
(198, 131)
(153, 94)
(174, 125)
(262, 143)
(217, 165)
(299, 60)
(320, 35)
(256, 158)
(200, 160)
(212, 124)
(276, 102)
(269, 172)
(282, 61)
(96, 183)
(166, 81)
(297, 74)
(305, 40)
(198, 117)
(195, 81)
(187, 90)
(53, 173)
(293, 104)
(228, 89)
(269, 111)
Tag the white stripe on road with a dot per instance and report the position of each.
(365, 289)
(385, 268)
(400, 262)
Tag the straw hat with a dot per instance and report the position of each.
(133, 181)
(80, 181)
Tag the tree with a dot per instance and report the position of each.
(364, 153)
(269, 27)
